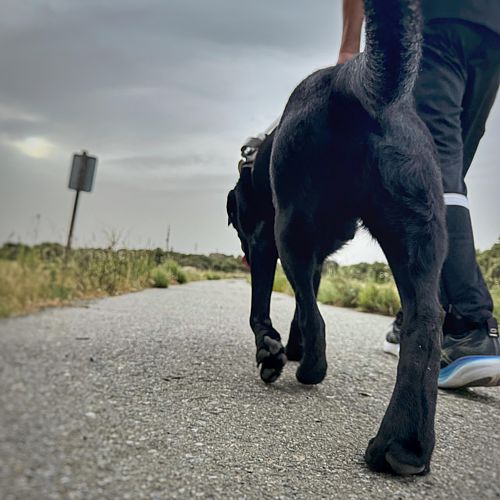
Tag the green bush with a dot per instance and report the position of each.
(281, 284)
(176, 272)
(210, 275)
(212, 262)
(161, 279)
(33, 277)
(379, 298)
(366, 287)
(339, 292)
(489, 262)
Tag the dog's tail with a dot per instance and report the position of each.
(386, 71)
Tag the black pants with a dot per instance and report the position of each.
(455, 91)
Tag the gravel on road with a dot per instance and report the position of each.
(156, 395)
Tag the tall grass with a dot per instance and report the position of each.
(167, 273)
(341, 289)
(489, 262)
(34, 277)
(371, 288)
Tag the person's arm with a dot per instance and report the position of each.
(352, 15)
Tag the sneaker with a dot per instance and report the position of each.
(468, 359)
(471, 359)
(392, 337)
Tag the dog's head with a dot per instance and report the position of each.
(249, 204)
(239, 210)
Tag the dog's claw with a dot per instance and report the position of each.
(273, 345)
(262, 354)
(271, 358)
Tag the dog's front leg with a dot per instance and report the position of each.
(270, 352)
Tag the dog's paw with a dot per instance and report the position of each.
(391, 456)
(310, 373)
(271, 358)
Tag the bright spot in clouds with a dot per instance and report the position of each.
(35, 147)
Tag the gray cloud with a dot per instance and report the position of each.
(164, 92)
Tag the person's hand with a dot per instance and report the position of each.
(352, 22)
(345, 56)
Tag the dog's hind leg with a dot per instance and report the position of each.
(270, 353)
(405, 440)
(294, 345)
(301, 261)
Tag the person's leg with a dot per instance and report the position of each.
(454, 94)
(439, 92)
(462, 278)
(455, 111)
(471, 348)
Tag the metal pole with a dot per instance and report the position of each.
(73, 217)
(77, 196)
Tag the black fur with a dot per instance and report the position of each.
(351, 147)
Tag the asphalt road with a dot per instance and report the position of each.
(156, 395)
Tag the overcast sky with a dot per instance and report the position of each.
(164, 93)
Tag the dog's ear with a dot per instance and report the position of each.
(231, 206)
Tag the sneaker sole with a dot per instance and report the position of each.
(471, 371)
(391, 348)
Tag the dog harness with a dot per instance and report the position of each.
(251, 146)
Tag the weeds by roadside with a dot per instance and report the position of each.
(40, 276)
(371, 288)
(339, 288)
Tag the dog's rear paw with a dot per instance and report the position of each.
(311, 373)
(272, 358)
(395, 458)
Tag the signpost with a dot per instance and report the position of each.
(81, 179)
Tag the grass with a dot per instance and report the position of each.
(41, 276)
(167, 273)
(371, 288)
(341, 289)
(35, 277)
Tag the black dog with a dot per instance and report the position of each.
(351, 147)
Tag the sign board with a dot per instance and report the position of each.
(82, 172)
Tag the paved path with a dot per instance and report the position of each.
(156, 395)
